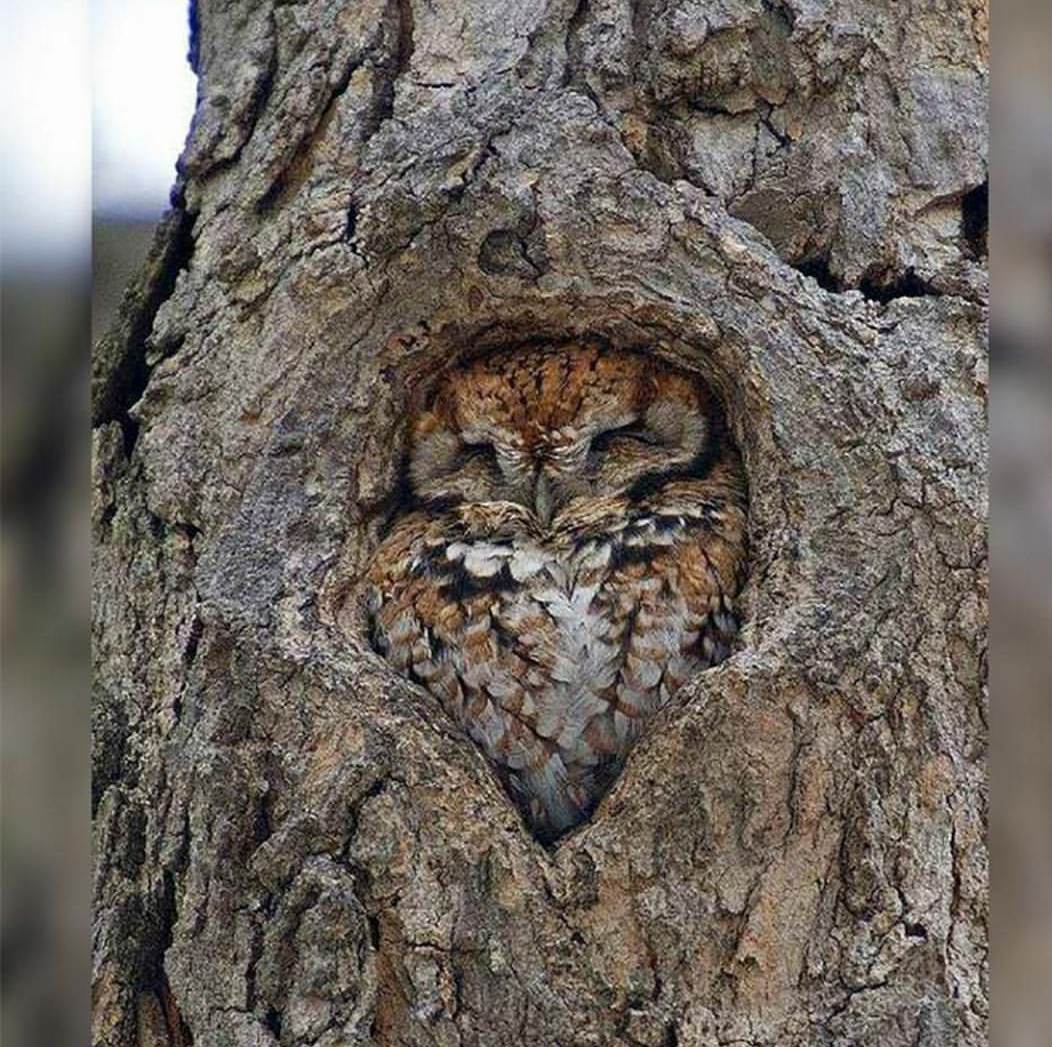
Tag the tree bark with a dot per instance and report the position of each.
(295, 846)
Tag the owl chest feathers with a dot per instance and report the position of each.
(551, 650)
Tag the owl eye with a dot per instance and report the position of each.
(636, 431)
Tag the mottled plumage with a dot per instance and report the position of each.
(569, 557)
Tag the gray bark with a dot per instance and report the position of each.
(294, 846)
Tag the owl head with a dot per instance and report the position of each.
(546, 426)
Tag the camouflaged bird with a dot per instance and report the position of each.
(569, 557)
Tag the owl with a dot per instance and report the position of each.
(569, 555)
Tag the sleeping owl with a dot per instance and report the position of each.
(569, 555)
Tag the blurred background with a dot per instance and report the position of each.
(1021, 531)
(98, 99)
(142, 91)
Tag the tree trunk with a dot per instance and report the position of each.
(294, 845)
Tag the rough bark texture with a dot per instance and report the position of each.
(294, 846)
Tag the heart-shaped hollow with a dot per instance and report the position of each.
(567, 555)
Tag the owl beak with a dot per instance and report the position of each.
(542, 499)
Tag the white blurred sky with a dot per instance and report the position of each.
(98, 99)
(142, 99)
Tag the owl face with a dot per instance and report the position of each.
(546, 428)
